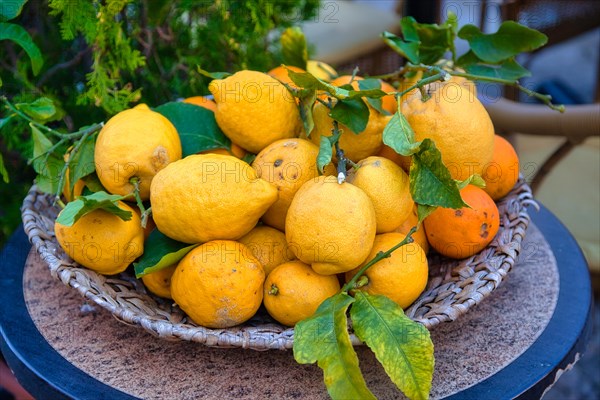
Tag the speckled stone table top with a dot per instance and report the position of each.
(127, 358)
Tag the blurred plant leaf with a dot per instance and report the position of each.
(3, 171)
(213, 75)
(81, 164)
(41, 110)
(293, 47)
(511, 39)
(20, 36)
(10, 9)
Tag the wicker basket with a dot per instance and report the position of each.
(453, 288)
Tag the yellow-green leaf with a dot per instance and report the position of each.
(293, 47)
(399, 135)
(20, 36)
(324, 339)
(402, 346)
(86, 204)
(474, 179)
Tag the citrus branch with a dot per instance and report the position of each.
(380, 256)
(145, 213)
(65, 168)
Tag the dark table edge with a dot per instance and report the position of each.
(31, 358)
(553, 350)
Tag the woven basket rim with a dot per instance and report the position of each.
(454, 288)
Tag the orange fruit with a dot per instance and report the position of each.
(420, 237)
(202, 102)
(502, 172)
(466, 231)
(281, 74)
(159, 282)
(402, 277)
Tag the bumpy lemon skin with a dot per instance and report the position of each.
(330, 226)
(205, 197)
(218, 284)
(293, 291)
(103, 242)
(135, 143)
(255, 109)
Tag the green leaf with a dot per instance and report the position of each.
(20, 36)
(325, 150)
(213, 75)
(93, 183)
(407, 25)
(510, 70)
(293, 47)
(430, 180)
(474, 179)
(399, 135)
(307, 102)
(369, 84)
(4, 121)
(82, 164)
(86, 204)
(11, 9)
(197, 127)
(323, 338)
(41, 109)
(249, 158)
(306, 80)
(511, 39)
(402, 346)
(3, 171)
(353, 113)
(48, 165)
(160, 251)
(408, 50)
(423, 211)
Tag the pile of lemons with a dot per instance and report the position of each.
(276, 231)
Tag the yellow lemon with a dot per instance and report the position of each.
(159, 282)
(209, 196)
(135, 143)
(269, 247)
(402, 277)
(254, 109)
(103, 242)
(293, 292)
(387, 186)
(218, 284)
(287, 164)
(330, 226)
(458, 124)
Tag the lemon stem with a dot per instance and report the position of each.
(135, 181)
(274, 290)
(351, 284)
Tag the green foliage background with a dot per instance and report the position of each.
(102, 56)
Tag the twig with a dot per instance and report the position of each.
(351, 284)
